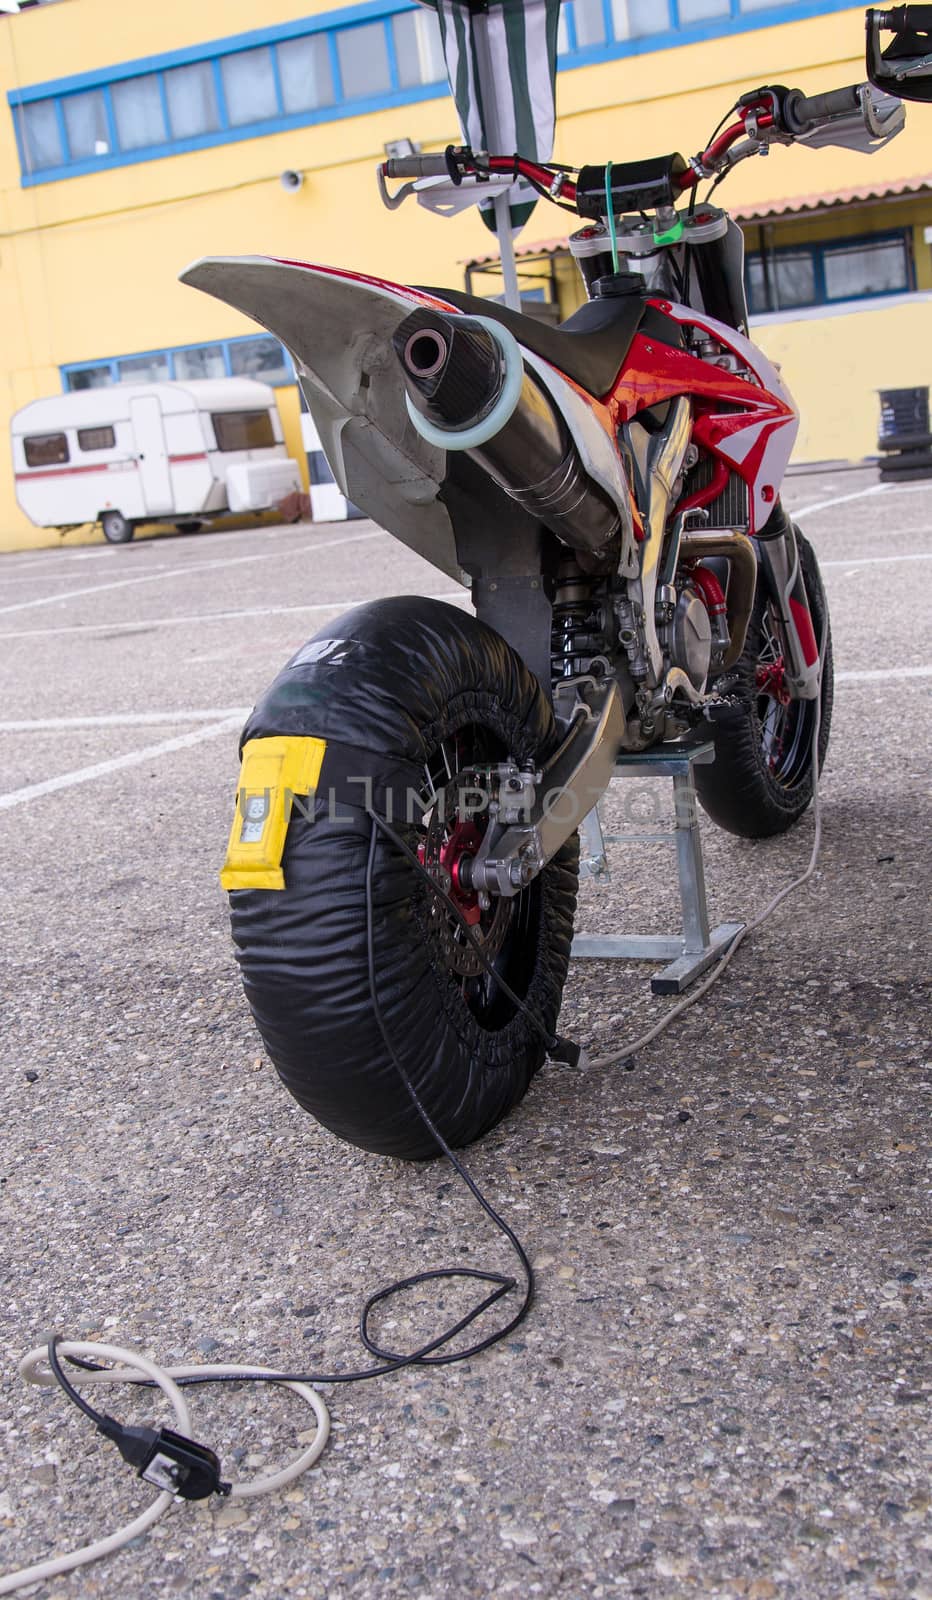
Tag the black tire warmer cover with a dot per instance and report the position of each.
(384, 685)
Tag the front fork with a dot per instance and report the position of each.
(781, 573)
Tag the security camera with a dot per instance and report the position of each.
(291, 181)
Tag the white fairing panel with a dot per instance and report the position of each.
(768, 436)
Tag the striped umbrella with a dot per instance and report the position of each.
(501, 59)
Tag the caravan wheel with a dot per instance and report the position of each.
(116, 528)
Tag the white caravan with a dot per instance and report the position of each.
(155, 452)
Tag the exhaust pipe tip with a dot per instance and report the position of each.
(425, 353)
(463, 376)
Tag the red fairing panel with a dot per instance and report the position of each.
(418, 296)
(755, 442)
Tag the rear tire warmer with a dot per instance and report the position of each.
(394, 679)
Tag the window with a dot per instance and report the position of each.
(318, 68)
(787, 281)
(144, 369)
(305, 73)
(819, 274)
(41, 137)
(46, 449)
(192, 100)
(631, 19)
(206, 362)
(318, 468)
(243, 430)
(249, 86)
(363, 57)
(701, 10)
(96, 439)
(854, 270)
(589, 18)
(90, 377)
(260, 358)
(139, 114)
(86, 125)
(418, 48)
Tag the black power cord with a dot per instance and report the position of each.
(432, 1354)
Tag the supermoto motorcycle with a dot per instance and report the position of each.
(403, 861)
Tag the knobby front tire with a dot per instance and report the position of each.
(761, 780)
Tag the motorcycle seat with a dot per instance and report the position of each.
(590, 346)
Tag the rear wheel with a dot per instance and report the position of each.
(116, 528)
(421, 683)
(761, 780)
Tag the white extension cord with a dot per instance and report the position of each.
(134, 1368)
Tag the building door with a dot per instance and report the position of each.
(151, 454)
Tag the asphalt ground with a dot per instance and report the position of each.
(719, 1390)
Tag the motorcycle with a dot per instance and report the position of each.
(403, 861)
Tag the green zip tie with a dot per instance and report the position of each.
(610, 210)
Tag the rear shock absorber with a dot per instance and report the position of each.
(578, 631)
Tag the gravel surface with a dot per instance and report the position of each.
(719, 1391)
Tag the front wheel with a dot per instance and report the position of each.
(412, 686)
(761, 780)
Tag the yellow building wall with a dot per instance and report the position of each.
(88, 265)
(835, 365)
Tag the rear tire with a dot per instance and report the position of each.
(760, 782)
(116, 528)
(418, 682)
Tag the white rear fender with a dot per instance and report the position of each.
(338, 328)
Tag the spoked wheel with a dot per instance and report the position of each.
(416, 686)
(456, 825)
(761, 780)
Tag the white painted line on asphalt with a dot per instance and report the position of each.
(883, 674)
(90, 628)
(101, 769)
(188, 570)
(839, 500)
(875, 561)
(123, 719)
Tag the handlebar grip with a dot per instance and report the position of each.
(417, 167)
(800, 111)
(905, 19)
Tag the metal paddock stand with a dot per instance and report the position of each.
(693, 951)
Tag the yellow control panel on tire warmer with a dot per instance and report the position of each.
(274, 772)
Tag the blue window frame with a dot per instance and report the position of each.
(792, 277)
(254, 356)
(342, 63)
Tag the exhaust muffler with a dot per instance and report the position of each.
(467, 388)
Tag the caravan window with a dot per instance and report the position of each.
(243, 430)
(45, 449)
(96, 438)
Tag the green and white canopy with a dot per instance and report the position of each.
(501, 59)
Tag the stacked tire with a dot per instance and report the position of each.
(905, 436)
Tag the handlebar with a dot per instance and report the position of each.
(416, 167)
(905, 19)
(799, 111)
